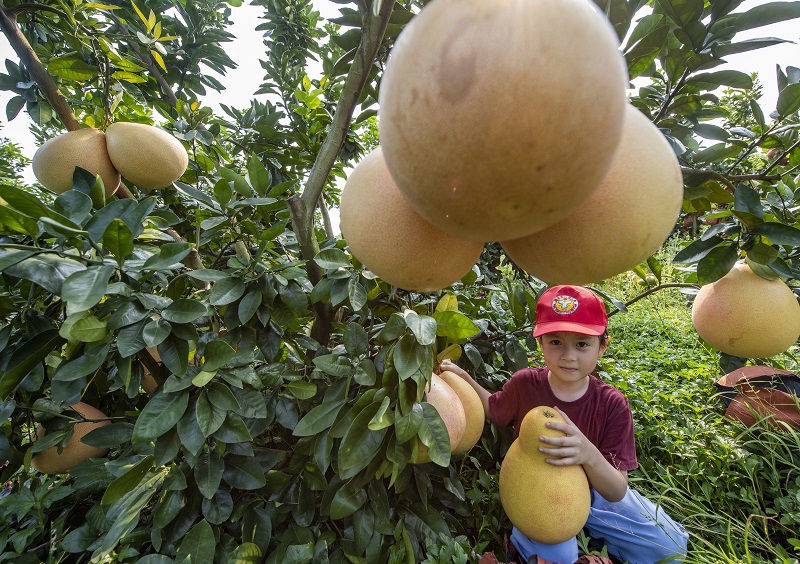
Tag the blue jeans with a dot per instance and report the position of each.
(634, 530)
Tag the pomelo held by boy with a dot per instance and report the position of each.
(473, 411)
(549, 504)
(746, 315)
(481, 122)
(50, 461)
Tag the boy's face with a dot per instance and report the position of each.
(571, 356)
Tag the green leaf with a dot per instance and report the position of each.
(243, 472)
(747, 205)
(184, 310)
(332, 259)
(155, 331)
(357, 294)
(301, 389)
(169, 256)
(422, 326)
(249, 305)
(710, 131)
(72, 68)
(84, 289)
(717, 263)
(318, 419)
(713, 80)
(118, 240)
(25, 358)
(226, 291)
(208, 473)
(199, 545)
(246, 553)
(161, 413)
(209, 417)
(765, 14)
(412, 359)
(334, 365)
(12, 221)
(109, 436)
(48, 271)
(88, 330)
(727, 49)
(696, 250)
(718, 152)
(259, 177)
(217, 354)
(789, 99)
(433, 434)
(239, 183)
(89, 362)
(779, 233)
(117, 489)
(455, 325)
(360, 444)
(355, 339)
(131, 77)
(347, 500)
(100, 221)
(174, 353)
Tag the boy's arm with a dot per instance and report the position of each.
(575, 448)
(483, 393)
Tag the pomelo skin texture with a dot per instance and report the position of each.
(622, 223)
(51, 462)
(441, 396)
(392, 240)
(473, 411)
(745, 315)
(146, 155)
(549, 504)
(55, 161)
(483, 125)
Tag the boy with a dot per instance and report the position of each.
(571, 325)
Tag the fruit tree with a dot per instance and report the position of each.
(258, 393)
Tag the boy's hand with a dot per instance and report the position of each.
(447, 366)
(572, 448)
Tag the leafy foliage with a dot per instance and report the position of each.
(290, 384)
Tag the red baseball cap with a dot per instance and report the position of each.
(574, 309)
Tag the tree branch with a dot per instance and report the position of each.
(45, 82)
(169, 95)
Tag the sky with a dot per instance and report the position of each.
(244, 80)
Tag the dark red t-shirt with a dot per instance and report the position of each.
(602, 414)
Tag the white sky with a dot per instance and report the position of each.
(244, 80)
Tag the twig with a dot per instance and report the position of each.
(653, 290)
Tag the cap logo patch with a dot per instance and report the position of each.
(565, 305)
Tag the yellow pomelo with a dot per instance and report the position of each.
(55, 161)
(549, 504)
(482, 123)
(746, 315)
(442, 397)
(392, 240)
(473, 411)
(50, 461)
(146, 155)
(621, 224)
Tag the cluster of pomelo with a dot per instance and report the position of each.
(461, 410)
(508, 121)
(145, 155)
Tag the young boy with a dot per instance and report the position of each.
(571, 324)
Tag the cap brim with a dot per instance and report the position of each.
(557, 326)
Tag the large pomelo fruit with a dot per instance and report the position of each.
(498, 117)
(622, 223)
(392, 240)
(447, 403)
(50, 461)
(146, 155)
(549, 504)
(745, 315)
(55, 161)
(473, 411)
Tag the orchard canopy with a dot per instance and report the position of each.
(287, 381)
